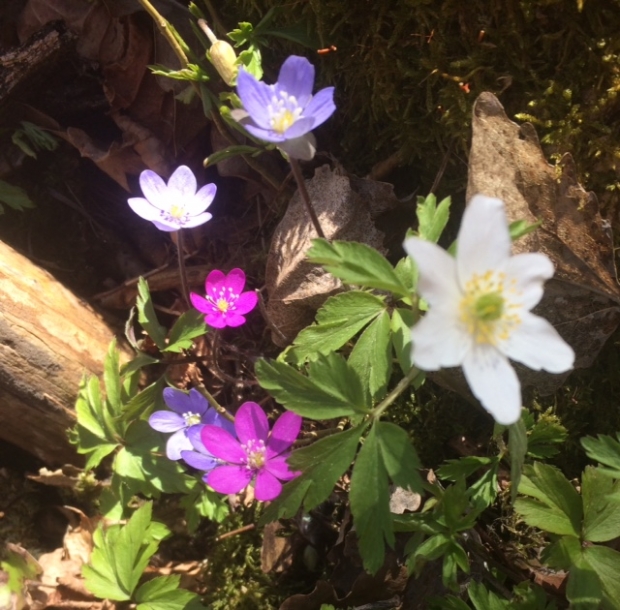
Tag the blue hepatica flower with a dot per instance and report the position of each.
(285, 113)
(189, 412)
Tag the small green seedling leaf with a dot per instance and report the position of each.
(190, 325)
(146, 315)
(164, 593)
(432, 218)
(15, 197)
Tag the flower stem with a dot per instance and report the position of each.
(164, 28)
(182, 271)
(401, 386)
(305, 197)
(216, 405)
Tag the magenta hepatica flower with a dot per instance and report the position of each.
(189, 413)
(224, 303)
(175, 205)
(285, 113)
(480, 306)
(258, 455)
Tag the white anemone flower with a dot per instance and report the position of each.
(479, 313)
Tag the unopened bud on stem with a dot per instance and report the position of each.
(221, 55)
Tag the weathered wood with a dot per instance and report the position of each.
(49, 339)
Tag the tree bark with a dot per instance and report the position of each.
(49, 339)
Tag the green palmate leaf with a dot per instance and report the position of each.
(135, 364)
(370, 503)
(484, 490)
(112, 380)
(562, 553)
(338, 320)
(372, 356)
(15, 197)
(432, 218)
(605, 450)
(189, 326)
(455, 507)
(402, 321)
(203, 503)
(606, 564)
(231, 151)
(399, 457)
(322, 464)
(544, 437)
(332, 388)
(601, 506)
(120, 555)
(147, 317)
(556, 506)
(583, 589)
(143, 465)
(449, 602)
(358, 264)
(164, 593)
(486, 600)
(433, 547)
(517, 447)
(407, 272)
(145, 402)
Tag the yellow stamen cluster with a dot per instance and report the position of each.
(222, 305)
(490, 309)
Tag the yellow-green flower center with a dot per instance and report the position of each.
(176, 211)
(282, 121)
(490, 309)
(222, 305)
(191, 419)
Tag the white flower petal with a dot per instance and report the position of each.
(181, 183)
(302, 148)
(483, 240)
(154, 188)
(438, 282)
(439, 340)
(538, 345)
(529, 270)
(143, 208)
(494, 383)
(201, 200)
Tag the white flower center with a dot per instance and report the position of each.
(489, 309)
(191, 418)
(256, 454)
(223, 299)
(175, 214)
(283, 111)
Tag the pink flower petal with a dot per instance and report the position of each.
(229, 479)
(200, 303)
(284, 432)
(222, 445)
(246, 302)
(266, 487)
(251, 423)
(216, 319)
(215, 280)
(280, 469)
(233, 319)
(235, 280)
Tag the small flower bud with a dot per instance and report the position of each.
(221, 55)
(224, 59)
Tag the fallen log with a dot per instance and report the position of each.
(49, 339)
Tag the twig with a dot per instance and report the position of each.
(305, 197)
(216, 405)
(164, 28)
(241, 530)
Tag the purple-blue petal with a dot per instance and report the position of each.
(203, 199)
(176, 443)
(251, 423)
(266, 487)
(284, 433)
(199, 461)
(166, 421)
(268, 135)
(154, 188)
(296, 78)
(179, 401)
(300, 127)
(229, 479)
(321, 106)
(255, 97)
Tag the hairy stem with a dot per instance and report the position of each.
(401, 386)
(182, 271)
(305, 197)
(216, 405)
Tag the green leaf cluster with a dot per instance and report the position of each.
(15, 197)
(119, 558)
(577, 523)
